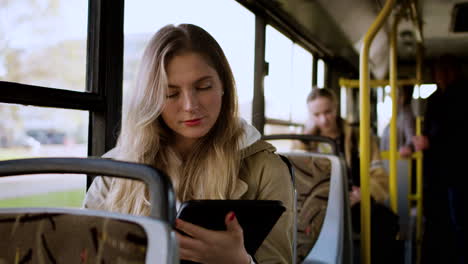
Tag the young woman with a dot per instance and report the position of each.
(324, 121)
(182, 118)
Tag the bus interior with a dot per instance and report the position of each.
(66, 67)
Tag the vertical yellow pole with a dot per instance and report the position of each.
(364, 129)
(419, 165)
(393, 121)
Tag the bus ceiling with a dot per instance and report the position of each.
(340, 26)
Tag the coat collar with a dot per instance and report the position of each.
(258, 146)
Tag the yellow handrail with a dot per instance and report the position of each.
(364, 129)
(393, 184)
(349, 83)
(419, 165)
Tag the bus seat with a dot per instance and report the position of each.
(56, 235)
(323, 221)
(293, 179)
(66, 235)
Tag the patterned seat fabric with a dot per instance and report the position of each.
(313, 187)
(63, 238)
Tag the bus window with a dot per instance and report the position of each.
(231, 25)
(287, 84)
(320, 73)
(27, 132)
(425, 90)
(301, 82)
(43, 43)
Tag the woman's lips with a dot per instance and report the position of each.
(193, 122)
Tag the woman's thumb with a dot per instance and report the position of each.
(231, 222)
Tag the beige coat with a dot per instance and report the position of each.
(378, 177)
(263, 176)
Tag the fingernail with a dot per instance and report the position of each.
(232, 216)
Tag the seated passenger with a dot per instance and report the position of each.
(324, 121)
(182, 118)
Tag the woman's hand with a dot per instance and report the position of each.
(405, 152)
(354, 196)
(420, 142)
(208, 246)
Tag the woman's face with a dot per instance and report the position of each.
(323, 114)
(193, 99)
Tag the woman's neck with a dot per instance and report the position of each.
(184, 146)
(334, 134)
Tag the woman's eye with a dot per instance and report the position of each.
(172, 95)
(204, 87)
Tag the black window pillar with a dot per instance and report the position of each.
(105, 72)
(260, 69)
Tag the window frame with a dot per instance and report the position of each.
(104, 73)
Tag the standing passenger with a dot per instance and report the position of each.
(406, 123)
(182, 118)
(445, 175)
(324, 121)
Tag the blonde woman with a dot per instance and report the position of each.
(182, 118)
(322, 106)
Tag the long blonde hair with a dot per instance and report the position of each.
(211, 169)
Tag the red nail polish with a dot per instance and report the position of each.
(233, 215)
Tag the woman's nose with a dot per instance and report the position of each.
(190, 101)
(322, 119)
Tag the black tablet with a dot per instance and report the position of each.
(257, 217)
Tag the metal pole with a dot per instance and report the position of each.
(364, 130)
(419, 165)
(393, 121)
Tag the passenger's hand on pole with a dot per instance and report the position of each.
(209, 246)
(405, 152)
(354, 196)
(420, 142)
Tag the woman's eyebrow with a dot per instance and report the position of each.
(199, 80)
(204, 78)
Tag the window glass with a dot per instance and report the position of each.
(301, 83)
(424, 91)
(278, 83)
(27, 132)
(320, 73)
(384, 108)
(289, 78)
(43, 42)
(343, 102)
(43, 190)
(232, 25)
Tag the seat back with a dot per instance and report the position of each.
(63, 235)
(324, 228)
(323, 213)
(293, 178)
(55, 235)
